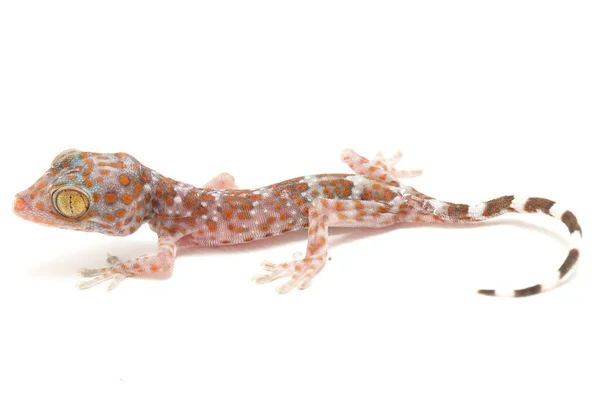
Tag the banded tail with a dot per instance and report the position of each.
(452, 212)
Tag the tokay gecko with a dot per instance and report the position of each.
(115, 194)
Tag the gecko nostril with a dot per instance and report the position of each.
(19, 204)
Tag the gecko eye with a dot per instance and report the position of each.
(71, 202)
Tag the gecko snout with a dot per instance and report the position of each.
(18, 204)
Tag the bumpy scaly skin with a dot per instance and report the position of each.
(124, 194)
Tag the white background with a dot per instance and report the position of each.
(490, 98)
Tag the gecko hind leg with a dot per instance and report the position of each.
(380, 168)
(388, 164)
(324, 213)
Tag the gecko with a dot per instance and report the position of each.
(115, 194)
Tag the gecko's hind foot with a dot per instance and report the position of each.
(100, 275)
(388, 164)
(301, 270)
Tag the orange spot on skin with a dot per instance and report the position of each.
(207, 197)
(211, 226)
(42, 185)
(376, 186)
(96, 197)
(121, 213)
(124, 179)
(89, 162)
(64, 164)
(71, 177)
(104, 172)
(189, 202)
(243, 215)
(121, 165)
(127, 198)
(110, 198)
(169, 199)
(19, 204)
(102, 164)
(109, 218)
(88, 184)
(121, 155)
(99, 179)
(227, 214)
(246, 206)
(138, 188)
(35, 193)
(154, 268)
(39, 205)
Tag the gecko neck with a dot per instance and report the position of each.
(169, 197)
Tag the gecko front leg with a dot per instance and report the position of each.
(161, 261)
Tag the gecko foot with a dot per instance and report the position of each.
(110, 259)
(388, 164)
(100, 275)
(301, 270)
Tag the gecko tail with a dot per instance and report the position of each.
(510, 204)
(563, 271)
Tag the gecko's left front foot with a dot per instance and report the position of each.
(301, 270)
(100, 275)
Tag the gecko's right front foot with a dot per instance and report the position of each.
(100, 275)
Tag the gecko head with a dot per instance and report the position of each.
(88, 191)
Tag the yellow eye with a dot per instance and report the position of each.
(71, 202)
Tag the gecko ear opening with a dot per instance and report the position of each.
(71, 202)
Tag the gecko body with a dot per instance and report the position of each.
(115, 194)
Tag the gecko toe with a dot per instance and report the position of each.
(88, 273)
(110, 259)
(97, 276)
